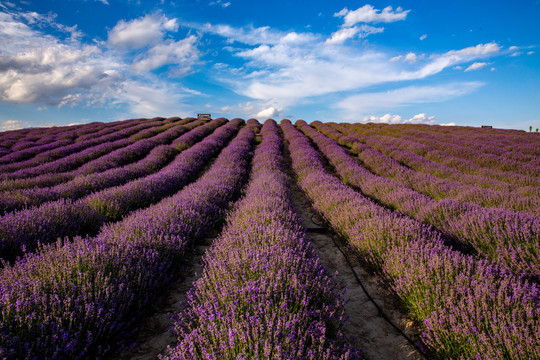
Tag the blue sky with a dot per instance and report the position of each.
(454, 62)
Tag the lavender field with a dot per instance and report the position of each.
(98, 221)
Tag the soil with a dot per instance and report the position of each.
(367, 329)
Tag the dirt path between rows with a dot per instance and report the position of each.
(367, 330)
(154, 332)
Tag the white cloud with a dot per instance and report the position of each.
(530, 52)
(293, 73)
(386, 119)
(277, 68)
(359, 104)
(451, 58)
(397, 119)
(421, 118)
(476, 66)
(250, 35)
(270, 112)
(411, 57)
(423, 37)
(449, 124)
(42, 69)
(151, 99)
(362, 31)
(220, 3)
(13, 125)
(141, 32)
(183, 52)
(513, 48)
(252, 109)
(282, 68)
(473, 51)
(38, 68)
(368, 14)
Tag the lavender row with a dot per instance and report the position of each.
(71, 132)
(390, 166)
(468, 308)
(503, 145)
(65, 139)
(191, 138)
(458, 166)
(22, 230)
(144, 143)
(11, 140)
(500, 141)
(116, 202)
(57, 155)
(118, 140)
(509, 238)
(117, 158)
(477, 151)
(263, 293)
(111, 129)
(75, 300)
(415, 159)
(77, 184)
(472, 164)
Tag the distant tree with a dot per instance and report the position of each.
(530, 128)
(536, 129)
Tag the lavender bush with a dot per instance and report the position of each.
(469, 308)
(53, 160)
(509, 238)
(23, 230)
(88, 177)
(50, 138)
(74, 300)
(526, 177)
(263, 293)
(397, 164)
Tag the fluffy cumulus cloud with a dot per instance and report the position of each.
(67, 72)
(267, 113)
(138, 33)
(368, 14)
(49, 72)
(422, 119)
(365, 14)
